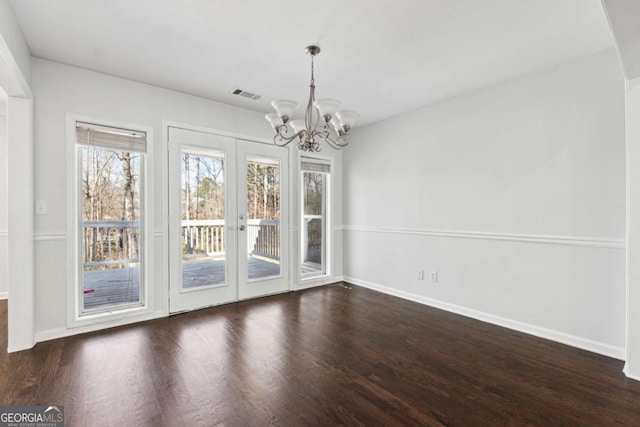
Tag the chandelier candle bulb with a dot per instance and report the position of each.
(274, 119)
(347, 119)
(284, 108)
(327, 108)
(297, 125)
(310, 132)
(336, 124)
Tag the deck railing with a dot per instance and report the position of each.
(206, 237)
(117, 242)
(203, 237)
(110, 242)
(263, 237)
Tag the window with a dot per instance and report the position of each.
(110, 174)
(263, 217)
(202, 238)
(314, 188)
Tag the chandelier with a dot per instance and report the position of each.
(322, 120)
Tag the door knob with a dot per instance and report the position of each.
(241, 216)
(242, 228)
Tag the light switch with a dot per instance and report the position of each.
(41, 207)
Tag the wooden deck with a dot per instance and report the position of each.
(310, 268)
(120, 286)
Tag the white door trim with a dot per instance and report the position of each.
(237, 286)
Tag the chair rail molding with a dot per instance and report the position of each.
(50, 236)
(594, 242)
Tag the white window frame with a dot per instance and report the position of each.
(306, 280)
(116, 316)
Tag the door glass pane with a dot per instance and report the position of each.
(203, 219)
(111, 203)
(313, 224)
(263, 218)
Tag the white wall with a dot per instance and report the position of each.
(59, 89)
(15, 57)
(3, 208)
(632, 367)
(515, 194)
(15, 76)
(623, 18)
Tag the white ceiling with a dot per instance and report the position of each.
(380, 57)
(624, 17)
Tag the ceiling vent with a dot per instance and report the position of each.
(246, 94)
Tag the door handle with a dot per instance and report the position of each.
(242, 228)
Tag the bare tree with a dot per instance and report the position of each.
(187, 187)
(197, 187)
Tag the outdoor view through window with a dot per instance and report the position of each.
(203, 235)
(313, 220)
(263, 217)
(111, 161)
(203, 215)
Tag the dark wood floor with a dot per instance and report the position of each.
(325, 356)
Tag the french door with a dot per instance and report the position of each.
(228, 219)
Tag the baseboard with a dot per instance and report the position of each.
(15, 350)
(53, 334)
(561, 337)
(4, 295)
(632, 377)
(628, 374)
(316, 283)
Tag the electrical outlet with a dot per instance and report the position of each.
(421, 275)
(433, 276)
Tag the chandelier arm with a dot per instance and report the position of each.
(282, 141)
(322, 134)
(327, 132)
(326, 135)
(338, 141)
(336, 144)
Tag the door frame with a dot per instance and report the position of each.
(292, 229)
